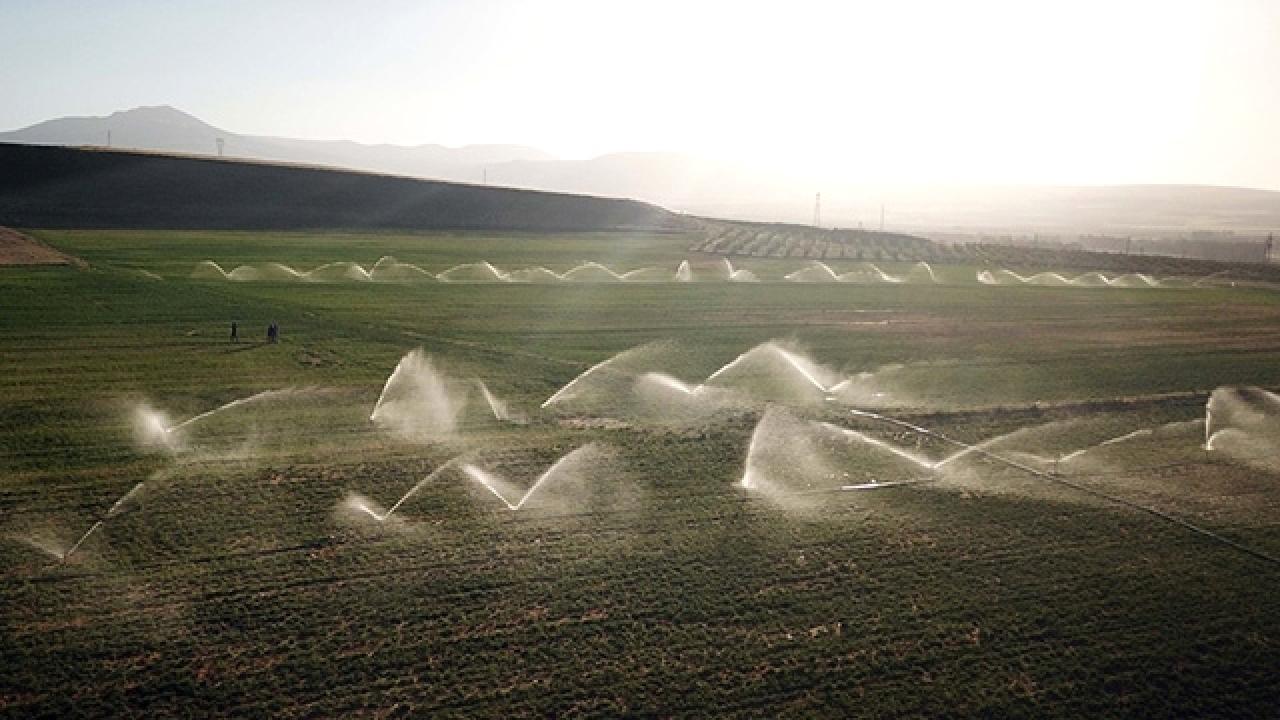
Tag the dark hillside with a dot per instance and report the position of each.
(58, 187)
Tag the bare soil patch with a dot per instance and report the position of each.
(19, 249)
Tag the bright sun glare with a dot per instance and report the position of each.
(927, 91)
(933, 91)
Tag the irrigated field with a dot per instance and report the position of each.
(702, 555)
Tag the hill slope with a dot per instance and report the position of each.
(68, 187)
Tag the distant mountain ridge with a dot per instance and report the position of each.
(167, 129)
(705, 187)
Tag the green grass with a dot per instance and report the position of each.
(234, 589)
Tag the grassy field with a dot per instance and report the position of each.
(654, 585)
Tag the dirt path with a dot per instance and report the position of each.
(19, 249)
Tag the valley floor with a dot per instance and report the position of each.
(256, 571)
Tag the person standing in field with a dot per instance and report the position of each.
(235, 332)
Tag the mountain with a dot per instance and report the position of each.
(151, 128)
(657, 177)
(166, 129)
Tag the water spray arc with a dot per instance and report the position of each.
(767, 370)
(384, 516)
(482, 271)
(1005, 276)
(419, 402)
(496, 485)
(918, 461)
(1065, 482)
(1243, 423)
(866, 272)
(733, 275)
(497, 407)
(807, 370)
(604, 366)
(490, 483)
(264, 395)
(684, 273)
(115, 510)
(389, 270)
(1143, 432)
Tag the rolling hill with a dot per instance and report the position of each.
(58, 187)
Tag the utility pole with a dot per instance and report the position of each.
(108, 138)
(817, 210)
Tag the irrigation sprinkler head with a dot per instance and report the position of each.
(151, 428)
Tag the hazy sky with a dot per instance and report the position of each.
(1038, 92)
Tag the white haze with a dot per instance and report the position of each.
(733, 108)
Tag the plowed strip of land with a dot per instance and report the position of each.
(19, 249)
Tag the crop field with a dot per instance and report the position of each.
(707, 498)
(790, 241)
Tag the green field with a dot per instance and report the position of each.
(239, 583)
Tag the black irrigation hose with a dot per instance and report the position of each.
(1075, 486)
